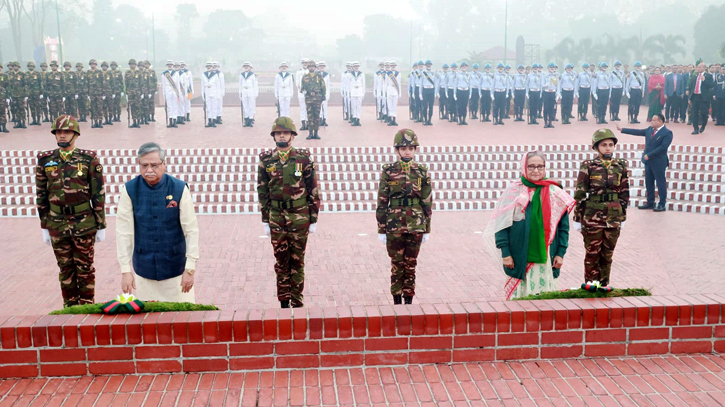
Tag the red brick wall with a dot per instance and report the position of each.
(34, 346)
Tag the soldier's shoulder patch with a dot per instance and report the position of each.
(43, 154)
(99, 168)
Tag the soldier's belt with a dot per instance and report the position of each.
(398, 202)
(289, 204)
(604, 198)
(71, 210)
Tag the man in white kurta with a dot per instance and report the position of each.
(132, 226)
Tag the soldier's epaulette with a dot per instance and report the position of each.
(622, 161)
(266, 154)
(387, 166)
(43, 154)
(423, 167)
(303, 152)
(89, 153)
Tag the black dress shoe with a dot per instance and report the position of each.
(397, 299)
(702, 129)
(284, 303)
(659, 208)
(696, 132)
(646, 206)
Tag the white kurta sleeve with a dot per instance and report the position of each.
(189, 225)
(124, 232)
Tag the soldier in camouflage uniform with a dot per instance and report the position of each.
(69, 89)
(18, 95)
(142, 105)
(70, 199)
(44, 77)
(54, 82)
(602, 196)
(405, 207)
(151, 86)
(313, 87)
(95, 78)
(107, 101)
(117, 91)
(290, 202)
(133, 78)
(4, 101)
(34, 83)
(82, 91)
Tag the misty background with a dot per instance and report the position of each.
(267, 32)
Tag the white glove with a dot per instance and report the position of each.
(621, 225)
(76, 97)
(313, 227)
(628, 96)
(88, 97)
(41, 96)
(455, 98)
(141, 96)
(527, 96)
(595, 96)
(26, 99)
(577, 226)
(122, 94)
(46, 236)
(103, 97)
(64, 98)
(149, 96)
(7, 100)
(383, 238)
(265, 228)
(100, 235)
(113, 96)
(425, 237)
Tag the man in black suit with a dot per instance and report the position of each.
(700, 90)
(657, 139)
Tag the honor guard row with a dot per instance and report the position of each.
(177, 85)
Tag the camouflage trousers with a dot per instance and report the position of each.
(134, 104)
(116, 102)
(289, 232)
(77, 276)
(35, 104)
(3, 112)
(599, 244)
(314, 104)
(149, 105)
(82, 105)
(403, 249)
(70, 106)
(55, 104)
(109, 108)
(18, 109)
(96, 105)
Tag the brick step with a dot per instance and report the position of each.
(549, 148)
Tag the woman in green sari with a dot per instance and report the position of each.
(656, 86)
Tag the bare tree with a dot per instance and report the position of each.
(15, 9)
(36, 11)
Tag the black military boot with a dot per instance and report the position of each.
(99, 125)
(284, 303)
(188, 117)
(179, 120)
(304, 125)
(311, 135)
(397, 299)
(153, 117)
(408, 300)
(219, 120)
(5, 128)
(171, 123)
(22, 124)
(317, 134)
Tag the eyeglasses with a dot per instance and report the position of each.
(154, 166)
(535, 167)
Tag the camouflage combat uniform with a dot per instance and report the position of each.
(34, 83)
(290, 202)
(151, 86)
(44, 80)
(133, 78)
(54, 83)
(4, 96)
(82, 92)
(70, 201)
(18, 92)
(69, 89)
(405, 207)
(107, 90)
(94, 78)
(313, 86)
(602, 195)
(143, 103)
(117, 88)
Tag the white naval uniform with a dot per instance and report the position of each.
(211, 92)
(172, 89)
(393, 90)
(379, 90)
(345, 91)
(300, 96)
(248, 92)
(283, 89)
(223, 91)
(357, 92)
(188, 88)
(323, 108)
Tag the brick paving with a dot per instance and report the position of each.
(669, 253)
(696, 380)
(339, 133)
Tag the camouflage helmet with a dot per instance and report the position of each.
(405, 137)
(66, 122)
(602, 134)
(79, 64)
(92, 61)
(104, 63)
(132, 61)
(66, 63)
(43, 65)
(31, 63)
(312, 63)
(283, 124)
(113, 63)
(53, 63)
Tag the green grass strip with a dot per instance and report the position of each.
(579, 293)
(148, 307)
